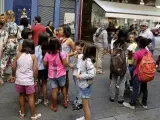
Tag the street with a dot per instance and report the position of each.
(101, 107)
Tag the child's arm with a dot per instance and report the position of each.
(35, 68)
(14, 66)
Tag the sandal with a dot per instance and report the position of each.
(46, 103)
(21, 115)
(65, 105)
(36, 116)
(54, 108)
(100, 72)
(1, 83)
(38, 102)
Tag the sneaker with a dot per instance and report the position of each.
(81, 118)
(143, 105)
(128, 105)
(38, 102)
(77, 107)
(117, 86)
(120, 101)
(111, 100)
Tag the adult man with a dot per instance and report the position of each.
(3, 38)
(37, 29)
(146, 33)
(100, 39)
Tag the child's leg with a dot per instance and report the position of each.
(22, 102)
(63, 89)
(67, 81)
(44, 86)
(54, 97)
(36, 93)
(86, 109)
(31, 104)
(145, 93)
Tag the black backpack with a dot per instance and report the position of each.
(118, 63)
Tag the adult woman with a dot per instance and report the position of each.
(120, 42)
(50, 28)
(10, 49)
(68, 47)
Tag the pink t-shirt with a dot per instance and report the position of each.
(55, 67)
(138, 57)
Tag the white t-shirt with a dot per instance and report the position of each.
(112, 42)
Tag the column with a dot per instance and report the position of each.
(77, 16)
(8, 5)
(34, 9)
(57, 14)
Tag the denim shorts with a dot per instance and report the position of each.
(58, 82)
(85, 92)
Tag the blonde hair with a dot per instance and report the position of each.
(10, 16)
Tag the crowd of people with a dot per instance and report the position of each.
(38, 54)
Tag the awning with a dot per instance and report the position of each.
(121, 10)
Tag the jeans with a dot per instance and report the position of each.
(136, 85)
(121, 86)
(78, 93)
(99, 55)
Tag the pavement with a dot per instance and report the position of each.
(101, 107)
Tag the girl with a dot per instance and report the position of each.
(77, 104)
(56, 62)
(24, 74)
(136, 83)
(85, 76)
(120, 42)
(40, 51)
(68, 47)
(50, 28)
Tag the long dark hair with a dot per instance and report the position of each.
(122, 38)
(66, 30)
(89, 52)
(28, 47)
(54, 46)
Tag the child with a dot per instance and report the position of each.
(24, 74)
(40, 51)
(131, 50)
(85, 76)
(77, 104)
(136, 83)
(56, 61)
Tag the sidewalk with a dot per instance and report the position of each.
(101, 107)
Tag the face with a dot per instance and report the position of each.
(30, 36)
(35, 22)
(51, 24)
(131, 38)
(2, 19)
(61, 33)
(79, 49)
(143, 27)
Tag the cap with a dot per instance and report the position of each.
(144, 23)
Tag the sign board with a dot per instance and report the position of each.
(69, 18)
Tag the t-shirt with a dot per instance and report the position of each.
(55, 67)
(132, 47)
(138, 57)
(39, 56)
(37, 29)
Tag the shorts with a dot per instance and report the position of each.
(85, 92)
(25, 89)
(58, 82)
(43, 74)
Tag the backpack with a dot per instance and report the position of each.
(118, 64)
(147, 68)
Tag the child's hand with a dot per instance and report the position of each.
(13, 79)
(35, 83)
(71, 66)
(78, 76)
